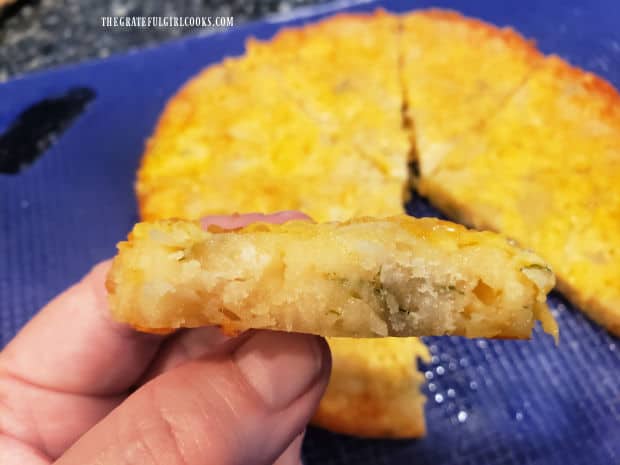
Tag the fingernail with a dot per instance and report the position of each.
(280, 366)
(198, 342)
(292, 454)
(288, 215)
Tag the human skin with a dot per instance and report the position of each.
(77, 387)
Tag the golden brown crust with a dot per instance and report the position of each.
(371, 416)
(508, 34)
(594, 85)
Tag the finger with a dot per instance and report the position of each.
(234, 410)
(67, 368)
(292, 454)
(190, 344)
(74, 331)
(73, 346)
(15, 452)
(71, 363)
(239, 221)
(47, 421)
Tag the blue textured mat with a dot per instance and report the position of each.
(499, 402)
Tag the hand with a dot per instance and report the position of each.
(78, 388)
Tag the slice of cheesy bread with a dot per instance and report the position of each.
(302, 123)
(398, 276)
(546, 172)
(457, 72)
(374, 389)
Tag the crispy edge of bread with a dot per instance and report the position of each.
(506, 33)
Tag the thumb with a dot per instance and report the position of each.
(243, 407)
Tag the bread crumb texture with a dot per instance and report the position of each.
(398, 276)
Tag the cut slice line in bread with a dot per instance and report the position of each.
(456, 73)
(556, 145)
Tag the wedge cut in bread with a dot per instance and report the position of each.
(374, 389)
(303, 123)
(398, 276)
(546, 172)
(457, 73)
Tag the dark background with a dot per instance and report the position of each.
(38, 34)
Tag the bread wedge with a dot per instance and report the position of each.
(374, 390)
(309, 121)
(398, 276)
(546, 172)
(457, 73)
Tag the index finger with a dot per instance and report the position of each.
(72, 345)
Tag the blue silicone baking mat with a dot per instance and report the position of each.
(490, 402)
